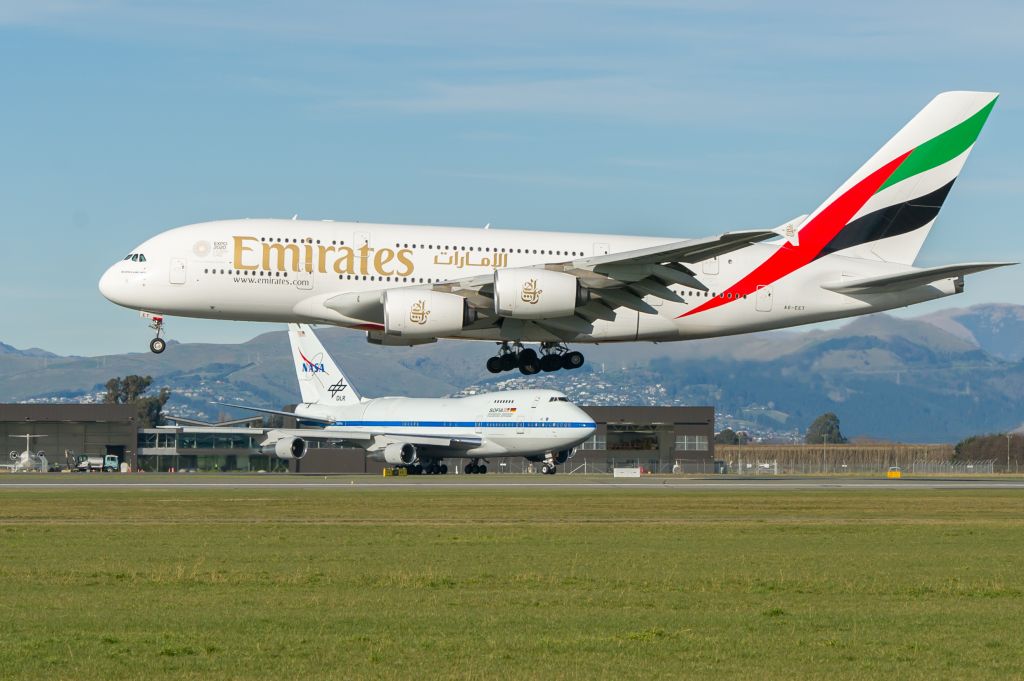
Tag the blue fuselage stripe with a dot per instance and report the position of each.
(464, 424)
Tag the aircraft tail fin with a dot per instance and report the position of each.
(320, 378)
(886, 209)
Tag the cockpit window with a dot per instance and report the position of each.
(135, 258)
(142, 258)
(129, 256)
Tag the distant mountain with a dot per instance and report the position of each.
(997, 329)
(934, 378)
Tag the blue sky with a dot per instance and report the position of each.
(123, 119)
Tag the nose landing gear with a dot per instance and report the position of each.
(158, 344)
(554, 356)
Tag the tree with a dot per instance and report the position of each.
(825, 429)
(130, 390)
(727, 436)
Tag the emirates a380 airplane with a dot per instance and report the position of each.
(406, 285)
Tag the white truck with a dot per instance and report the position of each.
(98, 462)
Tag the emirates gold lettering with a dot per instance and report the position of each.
(241, 249)
(252, 254)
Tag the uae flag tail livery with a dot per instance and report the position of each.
(885, 210)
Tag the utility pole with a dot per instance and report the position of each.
(1007, 452)
(824, 451)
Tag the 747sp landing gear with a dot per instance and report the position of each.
(158, 344)
(554, 356)
(475, 467)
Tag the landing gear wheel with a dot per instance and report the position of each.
(444, 469)
(417, 470)
(470, 468)
(572, 360)
(508, 362)
(481, 469)
(545, 469)
(495, 365)
(550, 363)
(157, 345)
(528, 362)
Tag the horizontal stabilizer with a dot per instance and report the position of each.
(901, 281)
(314, 419)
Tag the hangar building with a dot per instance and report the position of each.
(71, 429)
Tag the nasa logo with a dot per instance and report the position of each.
(311, 367)
(531, 294)
(418, 313)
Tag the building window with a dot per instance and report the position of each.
(628, 436)
(691, 443)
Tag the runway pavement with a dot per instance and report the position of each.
(499, 481)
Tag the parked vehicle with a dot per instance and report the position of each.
(98, 462)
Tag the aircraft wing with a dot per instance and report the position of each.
(615, 280)
(373, 441)
(912, 278)
(312, 419)
(351, 437)
(444, 441)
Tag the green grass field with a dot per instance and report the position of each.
(532, 583)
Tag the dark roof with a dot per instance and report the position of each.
(644, 414)
(120, 413)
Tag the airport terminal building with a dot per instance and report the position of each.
(658, 439)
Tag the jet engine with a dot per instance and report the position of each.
(287, 447)
(400, 453)
(529, 293)
(418, 313)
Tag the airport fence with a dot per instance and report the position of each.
(754, 460)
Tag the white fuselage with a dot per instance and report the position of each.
(510, 423)
(284, 271)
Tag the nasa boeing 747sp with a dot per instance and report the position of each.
(420, 433)
(406, 285)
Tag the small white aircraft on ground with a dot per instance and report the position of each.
(419, 433)
(28, 460)
(406, 285)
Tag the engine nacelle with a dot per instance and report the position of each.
(287, 447)
(562, 456)
(400, 454)
(418, 313)
(529, 293)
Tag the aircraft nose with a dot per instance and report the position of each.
(111, 283)
(584, 417)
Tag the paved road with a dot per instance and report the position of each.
(170, 481)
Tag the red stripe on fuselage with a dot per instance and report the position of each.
(813, 237)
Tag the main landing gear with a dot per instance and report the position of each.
(423, 468)
(475, 467)
(554, 356)
(158, 344)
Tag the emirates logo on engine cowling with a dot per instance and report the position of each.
(418, 313)
(531, 294)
